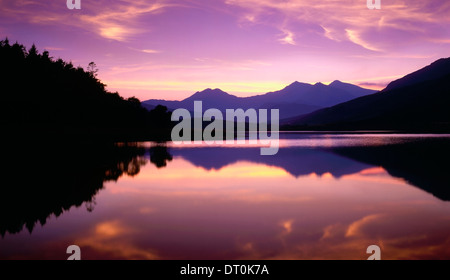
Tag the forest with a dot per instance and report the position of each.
(47, 97)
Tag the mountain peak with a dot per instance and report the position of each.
(355, 90)
(210, 92)
(297, 84)
(336, 82)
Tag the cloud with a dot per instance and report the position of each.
(288, 37)
(352, 21)
(287, 226)
(113, 240)
(114, 32)
(150, 51)
(373, 85)
(355, 37)
(357, 228)
(111, 20)
(399, 22)
(120, 21)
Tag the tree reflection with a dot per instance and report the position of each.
(44, 179)
(159, 156)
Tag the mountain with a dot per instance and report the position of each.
(318, 95)
(418, 101)
(436, 70)
(295, 99)
(211, 98)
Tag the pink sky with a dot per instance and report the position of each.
(171, 49)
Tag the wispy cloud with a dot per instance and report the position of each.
(150, 51)
(355, 37)
(288, 37)
(351, 20)
(119, 21)
(111, 20)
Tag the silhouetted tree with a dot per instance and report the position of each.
(40, 92)
(92, 69)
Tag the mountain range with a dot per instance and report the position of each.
(419, 101)
(294, 100)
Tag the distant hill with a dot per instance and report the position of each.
(293, 100)
(419, 101)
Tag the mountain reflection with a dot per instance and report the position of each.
(296, 161)
(422, 162)
(46, 179)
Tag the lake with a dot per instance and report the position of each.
(322, 196)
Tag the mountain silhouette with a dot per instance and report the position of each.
(436, 70)
(416, 102)
(295, 99)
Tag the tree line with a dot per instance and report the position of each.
(46, 96)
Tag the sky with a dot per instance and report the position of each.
(169, 49)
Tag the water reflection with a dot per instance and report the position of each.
(420, 160)
(423, 164)
(295, 161)
(322, 202)
(159, 155)
(188, 212)
(46, 179)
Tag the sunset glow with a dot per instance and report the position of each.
(171, 49)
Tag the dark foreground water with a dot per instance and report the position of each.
(323, 196)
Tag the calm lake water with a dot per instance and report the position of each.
(323, 196)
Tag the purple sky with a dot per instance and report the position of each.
(171, 49)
